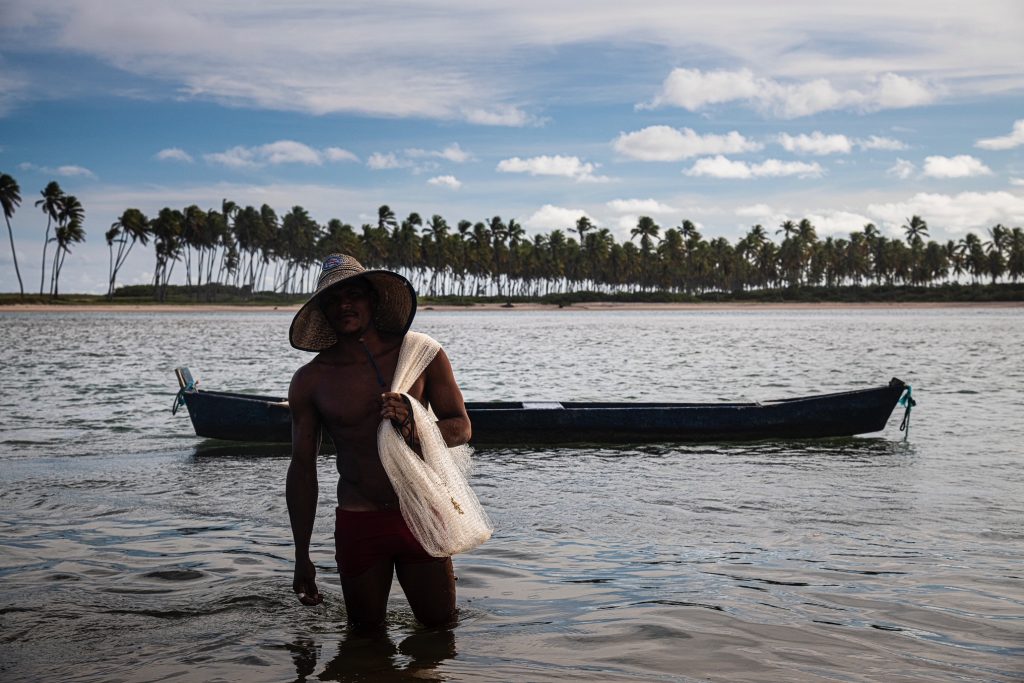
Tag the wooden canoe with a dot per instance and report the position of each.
(267, 419)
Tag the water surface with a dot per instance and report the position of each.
(131, 551)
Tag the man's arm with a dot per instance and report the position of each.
(302, 488)
(445, 397)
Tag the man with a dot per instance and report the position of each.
(357, 320)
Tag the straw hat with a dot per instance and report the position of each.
(393, 314)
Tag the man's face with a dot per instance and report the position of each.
(348, 307)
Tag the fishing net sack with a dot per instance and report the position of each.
(438, 505)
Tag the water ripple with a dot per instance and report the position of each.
(131, 551)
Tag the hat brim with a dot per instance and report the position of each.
(393, 314)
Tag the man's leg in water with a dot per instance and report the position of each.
(366, 595)
(430, 589)
(365, 565)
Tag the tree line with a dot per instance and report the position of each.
(255, 248)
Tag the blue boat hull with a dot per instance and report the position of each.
(267, 419)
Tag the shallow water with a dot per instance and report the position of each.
(131, 551)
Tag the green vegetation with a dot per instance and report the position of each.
(230, 252)
(224, 295)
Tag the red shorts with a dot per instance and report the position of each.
(365, 538)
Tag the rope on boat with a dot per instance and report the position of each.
(179, 399)
(907, 400)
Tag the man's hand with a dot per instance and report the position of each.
(395, 407)
(304, 584)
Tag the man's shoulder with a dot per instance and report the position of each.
(306, 374)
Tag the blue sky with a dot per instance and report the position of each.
(727, 114)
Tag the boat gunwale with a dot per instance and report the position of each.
(593, 405)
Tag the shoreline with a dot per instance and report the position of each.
(591, 306)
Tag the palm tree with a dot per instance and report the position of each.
(936, 262)
(515, 234)
(229, 210)
(69, 231)
(50, 205)
(788, 229)
(407, 245)
(216, 235)
(1015, 260)
(268, 238)
(757, 236)
(691, 241)
(807, 239)
(435, 250)
(583, 225)
(192, 235)
(956, 257)
(997, 246)
(790, 254)
(672, 252)
(166, 230)
(386, 218)
(648, 231)
(974, 250)
(915, 229)
(131, 227)
(499, 233)
(10, 198)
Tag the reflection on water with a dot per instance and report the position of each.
(374, 657)
(131, 551)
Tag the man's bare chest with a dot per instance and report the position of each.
(349, 396)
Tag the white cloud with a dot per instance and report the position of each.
(892, 91)
(237, 157)
(1017, 182)
(1014, 139)
(507, 116)
(568, 167)
(960, 166)
(278, 152)
(339, 154)
(625, 223)
(476, 61)
(816, 143)
(66, 171)
(73, 171)
(645, 207)
(881, 143)
(14, 88)
(289, 152)
(836, 222)
(446, 181)
(550, 217)
(902, 169)
(452, 153)
(174, 154)
(957, 213)
(418, 160)
(380, 162)
(455, 153)
(693, 89)
(664, 143)
(754, 211)
(721, 167)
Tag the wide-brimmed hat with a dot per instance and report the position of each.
(393, 313)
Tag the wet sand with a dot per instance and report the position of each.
(590, 306)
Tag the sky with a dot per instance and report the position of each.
(728, 114)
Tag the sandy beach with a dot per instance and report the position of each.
(591, 306)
